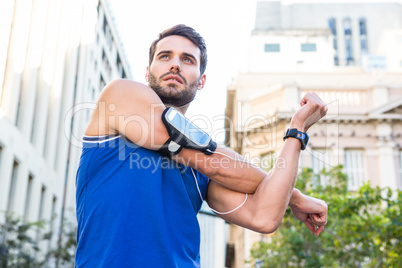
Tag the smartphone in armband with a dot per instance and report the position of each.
(184, 134)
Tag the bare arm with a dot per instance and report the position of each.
(134, 110)
(264, 210)
(233, 172)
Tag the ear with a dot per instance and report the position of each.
(147, 74)
(202, 81)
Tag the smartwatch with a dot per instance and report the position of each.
(184, 134)
(303, 137)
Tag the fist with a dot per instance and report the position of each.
(312, 212)
(312, 109)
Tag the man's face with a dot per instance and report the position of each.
(175, 71)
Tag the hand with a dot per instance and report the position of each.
(312, 212)
(312, 109)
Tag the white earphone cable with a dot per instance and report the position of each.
(199, 192)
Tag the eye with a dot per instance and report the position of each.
(164, 57)
(188, 60)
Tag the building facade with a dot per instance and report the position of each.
(350, 55)
(362, 32)
(55, 58)
(214, 237)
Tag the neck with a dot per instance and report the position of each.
(182, 109)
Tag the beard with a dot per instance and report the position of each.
(171, 95)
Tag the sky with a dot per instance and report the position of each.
(226, 26)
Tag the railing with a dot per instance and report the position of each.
(352, 97)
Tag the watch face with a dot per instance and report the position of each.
(301, 135)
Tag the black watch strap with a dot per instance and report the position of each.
(303, 137)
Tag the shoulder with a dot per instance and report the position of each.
(126, 97)
(124, 89)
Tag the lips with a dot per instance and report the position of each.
(173, 77)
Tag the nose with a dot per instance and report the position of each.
(175, 66)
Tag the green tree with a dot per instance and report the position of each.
(19, 250)
(17, 247)
(64, 253)
(364, 228)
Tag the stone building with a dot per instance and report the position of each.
(55, 57)
(350, 55)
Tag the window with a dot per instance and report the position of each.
(320, 158)
(101, 83)
(308, 47)
(104, 58)
(363, 36)
(105, 26)
(108, 33)
(106, 63)
(272, 48)
(52, 217)
(348, 41)
(119, 66)
(41, 208)
(362, 26)
(42, 203)
(28, 197)
(98, 7)
(332, 27)
(355, 168)
(13, 184)
(118, 61)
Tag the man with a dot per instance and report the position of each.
(137, 208)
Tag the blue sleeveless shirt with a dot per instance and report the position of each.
(135, 208)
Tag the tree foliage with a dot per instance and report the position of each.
(23, 245)
(364, 228)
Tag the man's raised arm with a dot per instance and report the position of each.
(264, 209)
(134, 110)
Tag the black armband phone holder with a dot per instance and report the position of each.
(184, 134)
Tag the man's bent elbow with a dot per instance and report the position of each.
(266, 226)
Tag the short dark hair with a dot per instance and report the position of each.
(190, 34)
